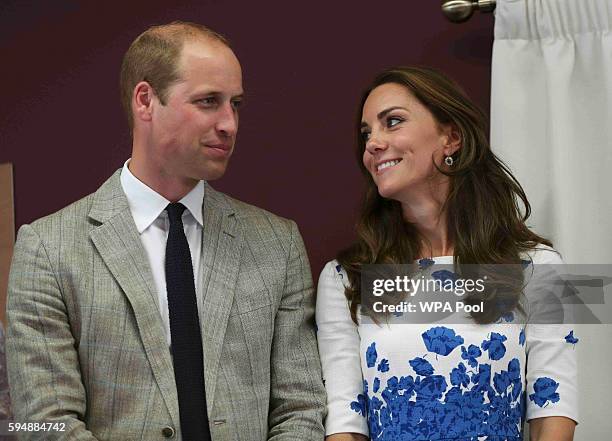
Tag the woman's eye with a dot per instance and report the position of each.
(365, 135)
(236, 104)
(393, 121)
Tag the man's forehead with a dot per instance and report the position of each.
(209, 67)
(205, 59)
(201, 47)
(207, 51)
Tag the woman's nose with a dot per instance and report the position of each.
(375, 144)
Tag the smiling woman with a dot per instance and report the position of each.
(436, 194)
(434, 187)
(403, 143)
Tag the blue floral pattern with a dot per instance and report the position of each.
(465, 405)
(383, 366)
(425, 263)
(371, 355)
(459, 377)
(339, 271)
(571, 339)
(545, 391)
(441, 340)
(376, 385)
(471, 354)
(468, 403)
(444, 275)
(495, 346)
(421, 366)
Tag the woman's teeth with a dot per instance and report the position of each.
(387, 164)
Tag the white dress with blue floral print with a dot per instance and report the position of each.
(460, 382)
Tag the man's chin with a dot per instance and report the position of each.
(212, 175)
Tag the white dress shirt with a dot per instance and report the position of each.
(151, 219)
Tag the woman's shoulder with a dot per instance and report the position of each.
(542, 255)
(333, 271)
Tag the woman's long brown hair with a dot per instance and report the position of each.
(486, 222)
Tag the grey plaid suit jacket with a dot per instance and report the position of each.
(86, 346)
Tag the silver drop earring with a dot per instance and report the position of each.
(449, 161)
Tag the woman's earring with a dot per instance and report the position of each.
(449, 161)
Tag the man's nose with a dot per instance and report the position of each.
(227, 122)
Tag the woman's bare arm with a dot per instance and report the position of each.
(554, 428)
(346, 437)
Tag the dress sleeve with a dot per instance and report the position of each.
(552, 371)
(339, 344)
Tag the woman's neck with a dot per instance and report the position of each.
(429, 216)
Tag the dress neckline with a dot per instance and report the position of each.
(436, 259)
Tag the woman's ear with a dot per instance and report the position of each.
(451, 139)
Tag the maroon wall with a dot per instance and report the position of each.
(305, 64)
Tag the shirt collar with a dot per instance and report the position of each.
(146, 204)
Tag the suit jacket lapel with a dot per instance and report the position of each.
(221, 246)
(119, 245)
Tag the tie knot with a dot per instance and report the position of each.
(175, 211)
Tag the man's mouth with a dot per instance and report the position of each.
(219, 150)
(225, 147)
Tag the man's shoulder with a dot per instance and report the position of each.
(77, 216)
(71, 214)
(251, 215)
(62, 235)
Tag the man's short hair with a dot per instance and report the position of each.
(154, 56)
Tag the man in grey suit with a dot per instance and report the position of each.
(100, 292)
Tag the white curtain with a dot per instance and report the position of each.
(551, 122)
(551, 117)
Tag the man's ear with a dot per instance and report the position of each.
(452, 139)
(142, 101)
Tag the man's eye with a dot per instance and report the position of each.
(393, 121)
(236, 104)
(207, 102)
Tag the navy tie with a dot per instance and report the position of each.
(185, 334)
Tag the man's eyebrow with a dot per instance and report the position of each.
(216, 94)
(204, 92)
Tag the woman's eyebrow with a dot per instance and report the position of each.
(384, 113)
